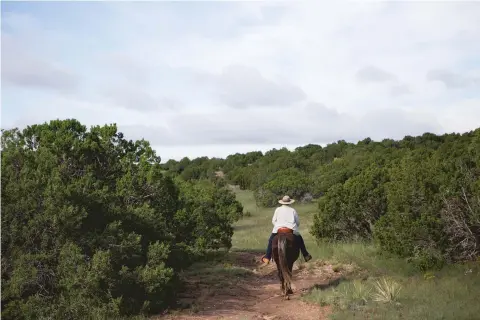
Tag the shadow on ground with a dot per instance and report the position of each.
(324, 286)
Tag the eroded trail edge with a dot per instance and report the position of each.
(239, 289)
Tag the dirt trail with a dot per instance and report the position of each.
(255, 294)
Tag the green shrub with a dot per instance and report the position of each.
(432, 209)
(265, 198)
(292, 182)
(92, 228)
(350, 210)
(420, 203)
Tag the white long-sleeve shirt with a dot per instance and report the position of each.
(285, 217)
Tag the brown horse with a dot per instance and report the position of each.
(285, 253)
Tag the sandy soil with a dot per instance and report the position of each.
(256, 296)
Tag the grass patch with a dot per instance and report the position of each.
(347, 295)
(219, 270)
(451, 294)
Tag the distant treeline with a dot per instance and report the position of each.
(418, 197)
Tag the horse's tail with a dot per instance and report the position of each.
(282, 257)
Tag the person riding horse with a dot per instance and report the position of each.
(286, 217)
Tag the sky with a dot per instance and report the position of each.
(216, 78)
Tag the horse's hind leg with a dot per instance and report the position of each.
(290, 268)
(286, 289)
(282, 281)
(291, 261)
(283, 285)
(286, 292)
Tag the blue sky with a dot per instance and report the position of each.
(214, 78)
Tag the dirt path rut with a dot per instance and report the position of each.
(254, 293)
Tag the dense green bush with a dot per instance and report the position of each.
(205, 222)
(266, 198)
(434, 204)
(93, 228)
(290, 181)
(413, 219)
(242, 177)
(349, 211)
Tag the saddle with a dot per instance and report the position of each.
(284, 230)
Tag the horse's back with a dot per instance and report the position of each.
(289, 237)
(293, 250)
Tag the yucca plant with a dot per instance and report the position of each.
(353, 295)
(361, 292)
(386, 290)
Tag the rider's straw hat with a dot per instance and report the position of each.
(286, 200)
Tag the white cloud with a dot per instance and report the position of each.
(217, 76)
(374, 74)
(242, 87)
(453, 80)
(21, 68)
